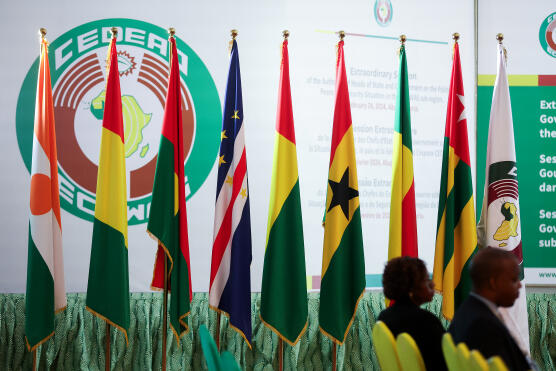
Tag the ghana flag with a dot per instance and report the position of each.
(46, 293)
(403, 221)
(168, 215)
(456, 236)
(343, 263)
(284, 287)
(108, 285)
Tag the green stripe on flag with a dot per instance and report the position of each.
(284, 287)
(343, 282)
(463, 189)
(108, 288)
(39, 298)
(161, 217)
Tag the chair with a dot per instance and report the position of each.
(463, 356)
(409, 353)
(215, 361)
(385, 347)
(450, 352)
(495, 363)
(477, 362)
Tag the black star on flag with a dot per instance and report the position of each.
(342, 193)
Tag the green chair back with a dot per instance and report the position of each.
(385, 347)
(495, 363)
(409, 353)
(450, 352)
(477, 362)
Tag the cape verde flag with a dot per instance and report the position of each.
(230, 283)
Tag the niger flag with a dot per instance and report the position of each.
(456, 236)
(343, 263)
(168, 216)
(46, 292)
(403, 221)
(108, 285)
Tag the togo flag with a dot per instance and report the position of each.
(284, 287)
(500, 223)
(456, 236)
(46, 291)
(343, 263)
(403, 222)
(168, 216)
(108, 285)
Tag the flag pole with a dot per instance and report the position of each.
(280, 354)
(333, 356)
(218, 331)
(34, 359)
(107, 348)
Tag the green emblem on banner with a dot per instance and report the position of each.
(78, 70)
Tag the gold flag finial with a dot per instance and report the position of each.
(171, 31)
(500, 38)
(455, 36)
(403, 39)
(341, 34)
(286, 34)
(42, 32)
(233, 33)
(114, 31)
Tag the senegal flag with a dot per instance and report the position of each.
(456, 236)
(403, 222)
(46, 292)
(284, 287)
(343, 264)
(168, 216)
(108, 286)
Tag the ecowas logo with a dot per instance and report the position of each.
(383, 12)
(77, 63)
(547, 36)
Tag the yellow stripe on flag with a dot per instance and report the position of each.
(407, 169)
(336, 221)
(111, 204)
(284, 176)
(438, 267)
(395, 237)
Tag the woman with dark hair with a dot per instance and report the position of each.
(406, 282)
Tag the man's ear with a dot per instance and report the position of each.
(492, 283)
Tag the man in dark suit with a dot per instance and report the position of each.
(477, 322)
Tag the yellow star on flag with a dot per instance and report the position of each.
(223, 135)
(229, 180)
(243, 192)
(221, 160)
(235, 116)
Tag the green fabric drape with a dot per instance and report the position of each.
(78, 343)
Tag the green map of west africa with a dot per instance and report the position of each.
(135, 121)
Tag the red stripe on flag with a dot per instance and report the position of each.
(284, 121)
(112, 119)
(342, 111)
(454, 130)
(225, 231)
(409, 224)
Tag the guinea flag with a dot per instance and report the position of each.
(168, 215)
(108, 285)
(456, 236)
(343, 263)
(284, 287)
(403, 221)
(46, 292)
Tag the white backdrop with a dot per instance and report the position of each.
(371, 67)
